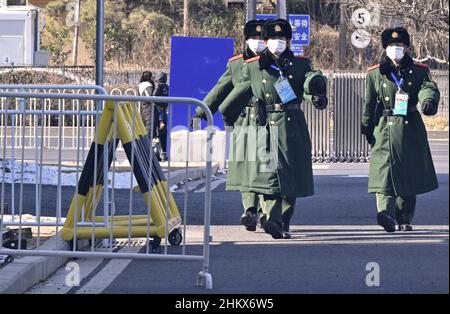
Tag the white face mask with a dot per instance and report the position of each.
(256, 45)
(276, 46)
(395, 53)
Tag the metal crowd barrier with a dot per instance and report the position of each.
(50, 130)
(318, 122)
(160, 222)
(441, 78)
(348, 101)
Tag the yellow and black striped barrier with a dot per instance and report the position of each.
(153, 186)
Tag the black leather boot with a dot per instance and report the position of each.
(386, 221)
(249, 221)
(273, 228)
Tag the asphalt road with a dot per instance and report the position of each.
(335, 236)
(329, 256)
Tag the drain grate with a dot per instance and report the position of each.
(118, 244)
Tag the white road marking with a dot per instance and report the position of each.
(56, 284)
(106, 276)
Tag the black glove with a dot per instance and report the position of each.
(429, 108)
(367, 131)
(317, 86)
(261, 112)
(195, 122)
(320, 102)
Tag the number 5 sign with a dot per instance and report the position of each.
(361, 18)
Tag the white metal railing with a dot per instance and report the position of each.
(117, 119)
(50, 129)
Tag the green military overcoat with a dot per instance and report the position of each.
(280, 154)
(230, 78)
(400, 158)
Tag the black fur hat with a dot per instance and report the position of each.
(278, 27)
(253, 28)
(395, 35)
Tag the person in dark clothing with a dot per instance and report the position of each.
(148, 110)
(162, 89)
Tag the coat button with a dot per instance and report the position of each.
(290, 76)
(267, 95)
(386, 98)
(264, 81)
(390, 123)
(384, 85)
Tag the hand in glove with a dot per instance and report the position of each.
(429, 108)
(368, 133)
(320, 102)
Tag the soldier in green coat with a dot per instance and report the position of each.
(231, 77)
(400, 161)
(279, 164)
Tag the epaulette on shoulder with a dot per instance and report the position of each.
(235, 57)
(301, 57)
(252, 59)
(420, 64)
(376, 66)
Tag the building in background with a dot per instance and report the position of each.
(20, 34)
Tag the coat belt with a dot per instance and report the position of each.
(390, 112)
(282, 107)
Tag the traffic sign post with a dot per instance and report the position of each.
(361, 18)
(360, 38)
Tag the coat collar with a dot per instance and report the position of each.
(387, 66)
(267, 59)
(248, 53)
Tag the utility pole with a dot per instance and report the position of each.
(186, 18)
(250, 10)
(77, 34)
(282, 9)
(100, 46)
(342, 34)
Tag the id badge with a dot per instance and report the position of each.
(284, 90)
(401, 104)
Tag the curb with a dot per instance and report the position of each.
(24, 272)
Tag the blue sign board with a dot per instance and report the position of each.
(265, 16)
(196, 63)
(300, 30)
